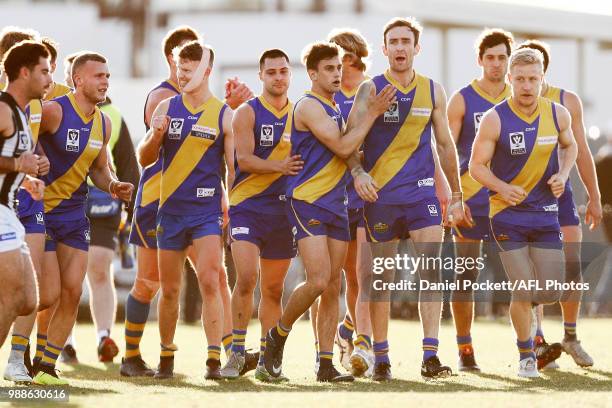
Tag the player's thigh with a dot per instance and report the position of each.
(316, 258)
(208, 256)
(246, 261)
(72, 266)
(99, 262)
(273, 273)
(12, 266)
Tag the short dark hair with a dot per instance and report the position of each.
(316, 52)
(84, 57)
(71, 57)
(409, 22)
(12, 35)
(541, 46)
(51, 47)
(492, 37)
(23, 54)
(193, 51)
(272, 53)
(175, 37)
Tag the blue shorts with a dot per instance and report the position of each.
(34, 224)
(509, 236)
(386, 222)
(144, 228)
(568, 214)
(480, 231)
(271, 233)
(310, 220)
(73, 233)
(355, 221)
(177, 232)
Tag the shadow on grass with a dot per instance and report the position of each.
(554, 380)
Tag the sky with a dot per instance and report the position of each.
(585, 6)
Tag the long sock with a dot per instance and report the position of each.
(325, 358)
(569, 331)
(136, 315)
(280, 333)
(227, 341)
(102, 334)
(381, 352)
(525, 348)
(51, 354)
(41, 343)
(19, 344)
(363, 342)
(430, 347)
(346, 328)
(464, 343)
(214, 352)
(167, 350)
(262, 350)
(239, 339)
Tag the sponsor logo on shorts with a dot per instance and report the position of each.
(205, 192)
(72, 140)
(204, 132)
(313, 222)
(282, 197)
(477, 119)
(547, 140)
(175, 129)
(433, 210)
(381, 227)
(428, 182)
(86, 235)
(420, 112)
(240, 230)
(40, 219)
(517, 143)
(151, 233)
(551, 208)
(266, 137)
(7, 236)
(502, 237)
(392, 113)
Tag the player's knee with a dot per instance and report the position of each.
(170, 292)
(71, 293)
(245, 283)
(318, 284)
(546, 297)
(145, 289)
(29, 303)
(209, 281)
(273, 292)
(98, 276)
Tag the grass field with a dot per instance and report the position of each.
(99, 385)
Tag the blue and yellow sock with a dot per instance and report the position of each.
(325, 358)
(363, 342)
(19, 344)
(464, 343)
(51, 354)
(280, 333)
(227, 341)
(346, 328)
(214, 353)
(168, 350)
(136, 315)
(238, 342)
(430, 347)
(381, 352)
(262, 349)
(525, 349)
(569, 330)
(41, 343)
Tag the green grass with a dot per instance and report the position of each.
(97, 384)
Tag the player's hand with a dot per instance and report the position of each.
(122, 190)
(237, 93)
(365, 185)
(379, 103)
(557, 184)
(456, 211)
(27, 163)
(160, 124)
(35, 187)
(513, 195)
(291, 165)
(594, 213)
(43, 165)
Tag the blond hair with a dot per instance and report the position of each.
(526, 56)
(352, 42)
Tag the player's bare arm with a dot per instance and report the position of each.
(228, 146)
(568, 151)
(154, 100)
(148, 149)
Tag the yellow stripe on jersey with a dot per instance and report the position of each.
(57, 91)
(321, 183)
(191, 151)
(151, 189)
(257, 183)
(506, 93)
(35, 107)
(407, 139)
(64, 186)
(469, 186)
(533, 170)
(554, 94)
(278, 113)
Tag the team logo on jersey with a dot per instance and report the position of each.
(433, 210)
(517, 143)
(204, 132)
(23, 139)
(72, 140)
(477, 118)
(151, 233)
(40, 220)
(205, 192)
(266, 138)
(175, 129)
(392, 114)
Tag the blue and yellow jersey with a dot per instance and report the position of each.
(147, 195)
(265, 193)
(557, 95)
(344, 99)
(26, 205)
(397, 150)
(57, 91)
(476, 102)
(322, 181)
(71, 151)
(526, 156)
(192, 154)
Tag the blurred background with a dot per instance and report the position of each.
(129, 34)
